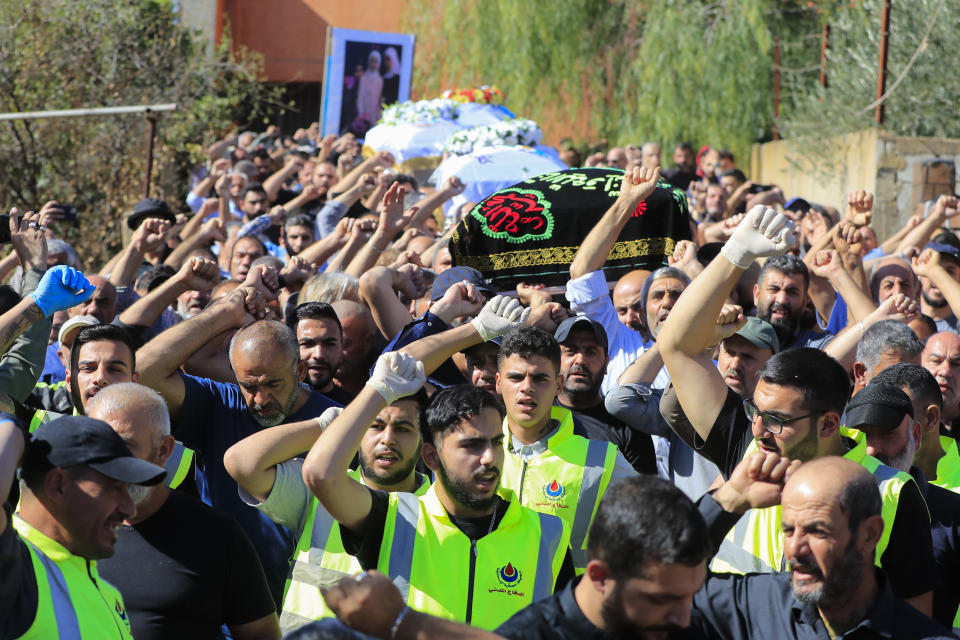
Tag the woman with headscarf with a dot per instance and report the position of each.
(370, 90)
(391, 76)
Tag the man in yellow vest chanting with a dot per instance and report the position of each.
(795, 411)
(463, 551)
(76, 476)
(271, 480)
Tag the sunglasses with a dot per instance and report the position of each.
(773, 424)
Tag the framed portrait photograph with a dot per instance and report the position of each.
(365, 70)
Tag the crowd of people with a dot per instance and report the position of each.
(286, 411)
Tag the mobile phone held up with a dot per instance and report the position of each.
(4, 228)
(64, 213)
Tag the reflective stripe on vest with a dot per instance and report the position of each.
(429, 559)
(567, 479)
(177, 466)
(319, 561)
(755, 545)
(64, 615)
(404, 540)
(593, 468)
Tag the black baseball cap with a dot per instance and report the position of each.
(72, 440)
(582, 322)
(879, 405)
(149, 208)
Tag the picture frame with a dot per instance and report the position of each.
(364, 71)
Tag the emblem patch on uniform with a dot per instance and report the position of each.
(509, 575)
(121, 612)
(554, 491)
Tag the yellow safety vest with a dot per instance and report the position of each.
(440, 571)
(73, 601)
(320, 561)
(948, 467)
(177, 465)
(566, 479)
(755, 544)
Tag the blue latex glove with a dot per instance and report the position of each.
(61, 288)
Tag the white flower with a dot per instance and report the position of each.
(514, 132)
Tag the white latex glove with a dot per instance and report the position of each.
(396, 375)
(762, 232)
(498, 316)
(326, 418)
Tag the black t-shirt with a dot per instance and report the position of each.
(944, 508)
(18, 583)
(339, 394)
(908, 558)
(185, 571)
(596, 423)
(558, 617)
(365, 544)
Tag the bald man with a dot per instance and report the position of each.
(212, 416)
(650, 155)
(359, 338)
(176, 580)
(831, 526)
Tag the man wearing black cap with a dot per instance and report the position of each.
(76, 477)
(888, 413)
(583, 363)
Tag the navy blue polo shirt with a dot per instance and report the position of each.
(212, 419)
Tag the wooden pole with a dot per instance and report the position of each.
(882, 71)
(776, 88)
(823, 55)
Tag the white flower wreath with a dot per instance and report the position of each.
(518, 131)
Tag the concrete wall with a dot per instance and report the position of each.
(871, 159)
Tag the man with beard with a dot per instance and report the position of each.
(938, 268)
(466, 550)
(936, 455)
(794, 411)
(583, 361)
(892, 413)
(178, 581)
(780, 296)
(832, 528)
(631, 318)
(212, 416)
(268, 467)
(941, 357)
(320, 338)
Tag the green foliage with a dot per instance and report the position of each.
(923, 104)
(56, 54)
(699, 70)
(662, 70)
